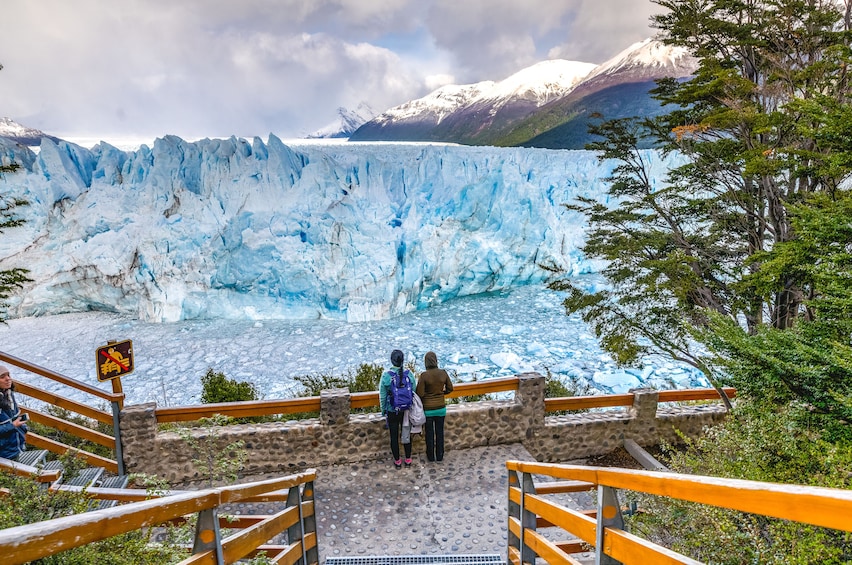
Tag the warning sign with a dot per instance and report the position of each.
(114, 360)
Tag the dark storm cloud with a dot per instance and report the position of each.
(216, 67)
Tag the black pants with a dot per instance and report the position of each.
(434, 438)
(394, 427)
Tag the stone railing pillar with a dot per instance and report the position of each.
(138, 424)
(644, 408)
(335, 405)
(530, 396)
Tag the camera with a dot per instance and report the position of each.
(24, 417)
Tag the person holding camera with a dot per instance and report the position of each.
(13, 430)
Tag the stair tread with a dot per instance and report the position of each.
(32, 457)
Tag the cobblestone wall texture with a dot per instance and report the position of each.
(340, 437)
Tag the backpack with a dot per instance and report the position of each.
(401, 395)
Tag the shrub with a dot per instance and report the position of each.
(216, 387)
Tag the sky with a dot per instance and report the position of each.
(107, 69)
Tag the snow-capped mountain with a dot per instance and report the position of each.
(11, 129)
(534, 101)
(347, 122)
(647, 60)
(446, 113)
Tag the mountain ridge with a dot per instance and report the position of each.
(531, 108)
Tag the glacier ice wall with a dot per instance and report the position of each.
(253, 230)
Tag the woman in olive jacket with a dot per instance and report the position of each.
(432, 385)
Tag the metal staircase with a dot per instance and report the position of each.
(87, 477)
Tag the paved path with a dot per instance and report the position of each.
(454, 507)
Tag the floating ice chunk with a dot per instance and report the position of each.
(537, 349)
(618, 381)
(507, 330)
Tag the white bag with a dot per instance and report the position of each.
(416, 415)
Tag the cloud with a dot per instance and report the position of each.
(218, 67)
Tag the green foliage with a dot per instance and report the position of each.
(365, 378)
(10, 279)
(215, 463)
(759, 444)
(216, 387)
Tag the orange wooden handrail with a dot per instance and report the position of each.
(62, 402)
(22, 544)
(611, 400)
(484, 387)
(818, 506)
(54, 376)
(238, 409)
(42, 442)
(371, 399)
(83, 432)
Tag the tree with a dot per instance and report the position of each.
(761, 127)
(11, 279)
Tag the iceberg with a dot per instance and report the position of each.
(254, 230)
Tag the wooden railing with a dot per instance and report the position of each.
(612, 400)
(23, 544)
(115, 400)
(530, 510)
(360, 400)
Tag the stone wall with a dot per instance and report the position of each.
(338, 436)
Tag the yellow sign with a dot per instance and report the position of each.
(114, 360)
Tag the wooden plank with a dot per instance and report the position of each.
(236, 493)
(54, 376)
(289, 556)
(364, 399)
(573, 546)
(237, 546)
(77, 430)
(62, 402)
(22, 544)
(643, 457)
(585, 402)
(238, 409)
(694, 394)
(547, 549)
(572, 521)
(629, 550)
(559, 487)
(60, 448)
(484, 387)
(22, 470)
(818, 506)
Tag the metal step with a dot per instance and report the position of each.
(85, 478)
(32, 457)
(114, 481)
(456, 559)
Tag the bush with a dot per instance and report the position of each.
(366, 378)
(216, 387)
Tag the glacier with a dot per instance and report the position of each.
(254, 230)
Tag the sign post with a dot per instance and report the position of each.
(114, 360)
